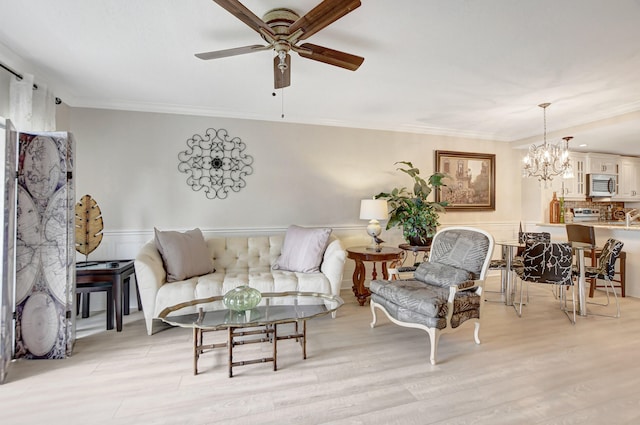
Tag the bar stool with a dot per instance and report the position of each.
(584, 234)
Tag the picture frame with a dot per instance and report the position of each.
(470, 181)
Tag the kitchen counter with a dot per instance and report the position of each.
(617, 225)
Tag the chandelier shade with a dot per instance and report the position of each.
(547, 160)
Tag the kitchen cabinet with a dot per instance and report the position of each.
(602, 163)
(574, 187)
(628, 179)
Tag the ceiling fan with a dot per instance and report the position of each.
(283, 29)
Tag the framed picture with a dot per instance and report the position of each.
(470, 181)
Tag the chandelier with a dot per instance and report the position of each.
(547, 160)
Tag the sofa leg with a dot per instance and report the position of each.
(476, 333)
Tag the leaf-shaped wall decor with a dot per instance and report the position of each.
(88, 225)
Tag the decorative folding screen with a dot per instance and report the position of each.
(7, 239)
(45, 255)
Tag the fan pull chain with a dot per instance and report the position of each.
(282, 102)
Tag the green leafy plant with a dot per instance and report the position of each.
(411, 210)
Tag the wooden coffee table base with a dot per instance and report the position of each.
(238, 336)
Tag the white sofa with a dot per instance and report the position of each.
(238, 261)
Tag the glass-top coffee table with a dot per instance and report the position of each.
(259, 324)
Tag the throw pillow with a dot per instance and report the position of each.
(440, 274)
(184, 254)
(303, 249)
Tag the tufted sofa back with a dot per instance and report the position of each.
(236, 253)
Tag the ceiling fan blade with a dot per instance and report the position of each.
(281, 78)
(232, 52)
(320, 16)
(330, 56)
(248, 17)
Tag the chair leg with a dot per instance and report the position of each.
(434, 337)
(503, 287)
(518, 308)
(476, 332)
(615, 296)
(373, 313)
(563, 303)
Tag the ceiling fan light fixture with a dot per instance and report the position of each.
(283, 28)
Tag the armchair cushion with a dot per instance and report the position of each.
(416, 302)
(303, 249)
(440, 274)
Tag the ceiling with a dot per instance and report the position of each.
(446, 67)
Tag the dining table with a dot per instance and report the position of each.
(509, 248)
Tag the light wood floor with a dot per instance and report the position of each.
(538, 369)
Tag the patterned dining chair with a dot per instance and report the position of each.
(605, 270)
(547, 263)
(516, 262)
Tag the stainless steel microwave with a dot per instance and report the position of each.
(602, 185)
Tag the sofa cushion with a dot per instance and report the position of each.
(441, 274)
(184, 254)
(303, 249)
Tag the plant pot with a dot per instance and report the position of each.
(417, 241)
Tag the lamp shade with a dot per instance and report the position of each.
(373, 209)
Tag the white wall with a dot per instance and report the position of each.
(309, 175)
(303, 174)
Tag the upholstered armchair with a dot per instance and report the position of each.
(446, 291)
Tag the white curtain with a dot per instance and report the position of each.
(29, 109)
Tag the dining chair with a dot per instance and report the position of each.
(498, 264)
(523, 238)
(548, 263)
(605, 270)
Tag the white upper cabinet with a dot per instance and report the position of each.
(602, 163)
(628, 179)
(575, 186)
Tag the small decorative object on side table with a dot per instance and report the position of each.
(360, 254)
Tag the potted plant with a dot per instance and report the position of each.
(411, 210)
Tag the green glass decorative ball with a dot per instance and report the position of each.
(242, 298)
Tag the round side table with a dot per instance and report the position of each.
(362, 254)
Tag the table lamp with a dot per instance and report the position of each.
(374, 210)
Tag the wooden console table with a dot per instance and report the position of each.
(362, 254)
